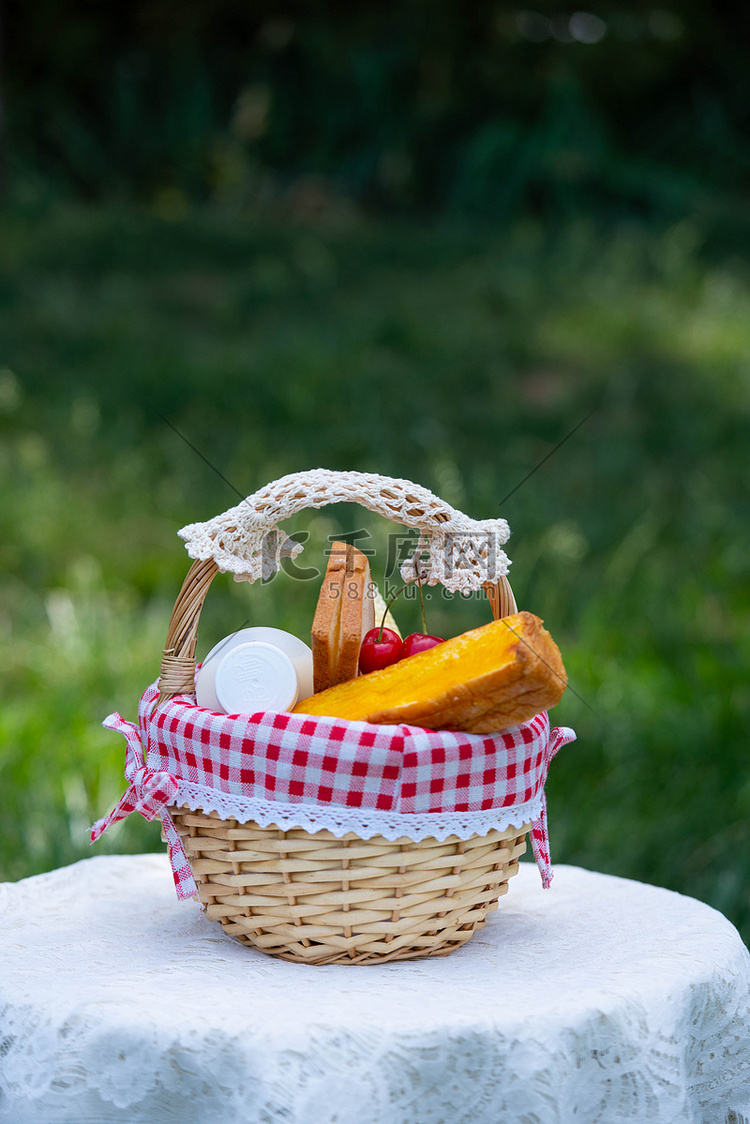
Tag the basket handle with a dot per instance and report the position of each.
(463, 554)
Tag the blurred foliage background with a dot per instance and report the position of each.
(430, 240)
(408, 105)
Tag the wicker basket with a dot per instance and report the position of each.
(316, 898)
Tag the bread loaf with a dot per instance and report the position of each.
(344, 613)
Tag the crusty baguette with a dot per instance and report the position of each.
(343, 615)
(486, 680)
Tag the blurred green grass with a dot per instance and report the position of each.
(456, 356)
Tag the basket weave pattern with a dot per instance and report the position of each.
(319, 899)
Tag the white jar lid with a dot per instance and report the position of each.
(297, 651)
(255, 676)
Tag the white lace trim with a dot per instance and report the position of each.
(459, 552)
(364, 822)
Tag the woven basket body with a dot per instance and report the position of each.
(319, 899)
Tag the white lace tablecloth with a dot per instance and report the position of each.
(598, 1000)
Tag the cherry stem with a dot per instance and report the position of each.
(385, 614)
(421, 598)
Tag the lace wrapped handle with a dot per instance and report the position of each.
(461, 553)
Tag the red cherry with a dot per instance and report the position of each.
(417, 642)
(375, 653)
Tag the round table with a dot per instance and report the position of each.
(598, 1000)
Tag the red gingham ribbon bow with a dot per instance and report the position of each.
(559, 736)
(150, 793)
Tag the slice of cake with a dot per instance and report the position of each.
(483, 681)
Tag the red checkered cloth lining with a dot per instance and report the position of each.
(318, 773)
